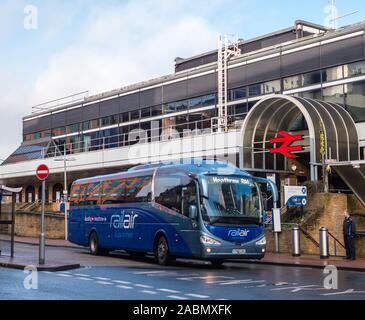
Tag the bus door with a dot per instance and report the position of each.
(91, 215)
(75, 220)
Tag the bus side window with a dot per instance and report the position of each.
(176, 192)
(75, 195)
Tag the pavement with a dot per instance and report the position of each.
(57, 263)
(26, 258)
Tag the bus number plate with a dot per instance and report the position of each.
(239, 251)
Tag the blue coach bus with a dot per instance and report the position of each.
(205, 209)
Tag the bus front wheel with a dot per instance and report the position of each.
(162, 252)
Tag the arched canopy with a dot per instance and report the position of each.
(278, 112)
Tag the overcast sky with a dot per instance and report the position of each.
(78, 45)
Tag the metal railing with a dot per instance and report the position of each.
(335, 243)
(309, 237)
(137, 135)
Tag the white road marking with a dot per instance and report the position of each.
(104, 283)
(177, 297)
(63, 275)
(84, 278)
(149, 292)
(143, 286)
(312, 287)
(349, 291)
(197, 295)
(122, 282)
(124, 287)
(203, 278)
(168, 290)
(147, 272)
(48, 272)
(102, 279)
(81, 275)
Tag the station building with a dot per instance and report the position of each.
(305, 80)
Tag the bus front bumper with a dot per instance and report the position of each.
(232, 252)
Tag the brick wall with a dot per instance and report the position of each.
(324, 210)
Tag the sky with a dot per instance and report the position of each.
(54, 48)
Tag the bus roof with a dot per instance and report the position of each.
(195, 165)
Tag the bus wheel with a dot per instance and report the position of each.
(94, 244)
(162, 252)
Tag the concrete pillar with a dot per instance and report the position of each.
(50, 192)
(36, 191)
(23, 193)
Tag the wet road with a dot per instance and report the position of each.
(119, 277)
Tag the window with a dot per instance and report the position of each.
(108, 121)
(255, 90)
(334, 94)
(176, 192)
(240, 93)
(73, 128)
(146, 113)
(313, 94)
(176, 106)
(195, 103)
(135, 115)
(355, 100)
(28, 137)
(90, 194)
(332, 74)
(208, 100)
(124, 117)
(58, 131)
(128, 190)
(37, 135)
(156, 111)
(293, 82)
(354, 69)
(311, 78)
(46, 134)
(272, 86)
(91, 124)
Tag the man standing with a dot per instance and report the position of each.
(349, 233)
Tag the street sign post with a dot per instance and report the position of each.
(42, 174)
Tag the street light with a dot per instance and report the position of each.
(65, 159)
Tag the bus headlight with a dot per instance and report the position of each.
(208, 240)
(261, 242)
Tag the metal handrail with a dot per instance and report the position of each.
(309, 236)
(335, 243)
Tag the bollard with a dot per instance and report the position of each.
(296, 242)
(323, 243)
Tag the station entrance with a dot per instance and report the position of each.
(291, 139)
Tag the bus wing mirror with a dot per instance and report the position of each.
(193, 212)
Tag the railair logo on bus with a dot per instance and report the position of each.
(243, 233)
(123, 220)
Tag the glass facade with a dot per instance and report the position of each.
(182, 117)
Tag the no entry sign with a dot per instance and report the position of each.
(42, 172)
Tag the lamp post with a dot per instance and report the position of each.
(65, 192)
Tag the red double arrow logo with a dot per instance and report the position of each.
(286, 141)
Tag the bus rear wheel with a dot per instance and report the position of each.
(95, 250)
(162, 252)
